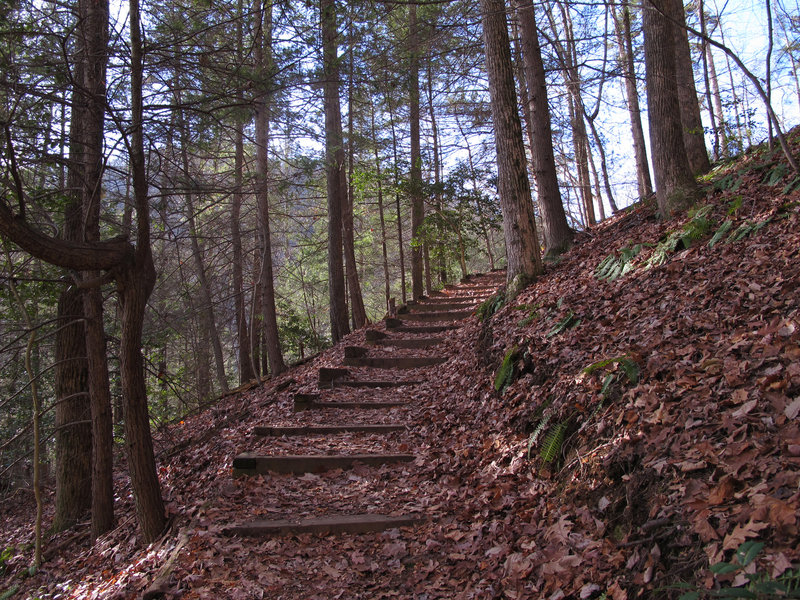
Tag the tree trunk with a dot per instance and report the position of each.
(351, 266)
(415, 175)
(676, 188)
(400, 249)
(387, 289)
(73, 463)
(334, 158)
(693, 134)
(522, 245)
(557, 234)
(135, 282)
(246, 371)
(705, 52)
(262, 106)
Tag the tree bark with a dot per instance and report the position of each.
(262, 106)
(693, 134)
(246, 371)
(415, 174)
(348, 238)
(522, 245)
(676, 188)
(334, 158)
(557, 234)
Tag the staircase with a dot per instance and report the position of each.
(381, 377)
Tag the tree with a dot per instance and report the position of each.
(557, 234)
(693, 133)
(131, 268)
(676, 188)
(415, 174)
(522, 246)
(335, 175)
(263, 59)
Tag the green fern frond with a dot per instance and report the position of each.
(551, 447)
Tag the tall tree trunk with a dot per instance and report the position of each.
(522, 244)
(557, 234)
(334, 158)
(135, 282)
(351, 266)
(246, 371)
(72, 416)
(400, 250)
(693, 134)
(437, 167)
(262, 106)
(622, 26)
(415, 175)
(676, 188)
(95, 16)
(384, 253)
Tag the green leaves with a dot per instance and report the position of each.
(505, 374)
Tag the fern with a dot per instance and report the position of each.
(720, 233)
(548, 414)
(568, 322)
(505, 373)
(490, 306)
(551, 447)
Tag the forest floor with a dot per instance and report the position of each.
(645, 427)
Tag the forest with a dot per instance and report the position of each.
(203, 199)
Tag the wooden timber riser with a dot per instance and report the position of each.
(432, 317)
(300, 406)
(302, 430)
(410, 343)
(251, 464)
(398, 362)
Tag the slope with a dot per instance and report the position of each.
(620, 426)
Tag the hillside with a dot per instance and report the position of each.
(596, 437)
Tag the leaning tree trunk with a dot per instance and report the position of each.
(522, 245)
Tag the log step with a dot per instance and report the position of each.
(453, 315)
(252, 464)
(437, 307)
(376, 384)
(394, 362)
(412, 343)
(363, 523)
(398, 326)
(303, 404)
(326, 429)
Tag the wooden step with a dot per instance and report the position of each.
(450, 315)
(309, 403)
(375, 384)
(397, 326)
(363, 523)
(327, 375)
(437, 307)
(253, 464)
(412, 343)
(394, 362)
(326, 429)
